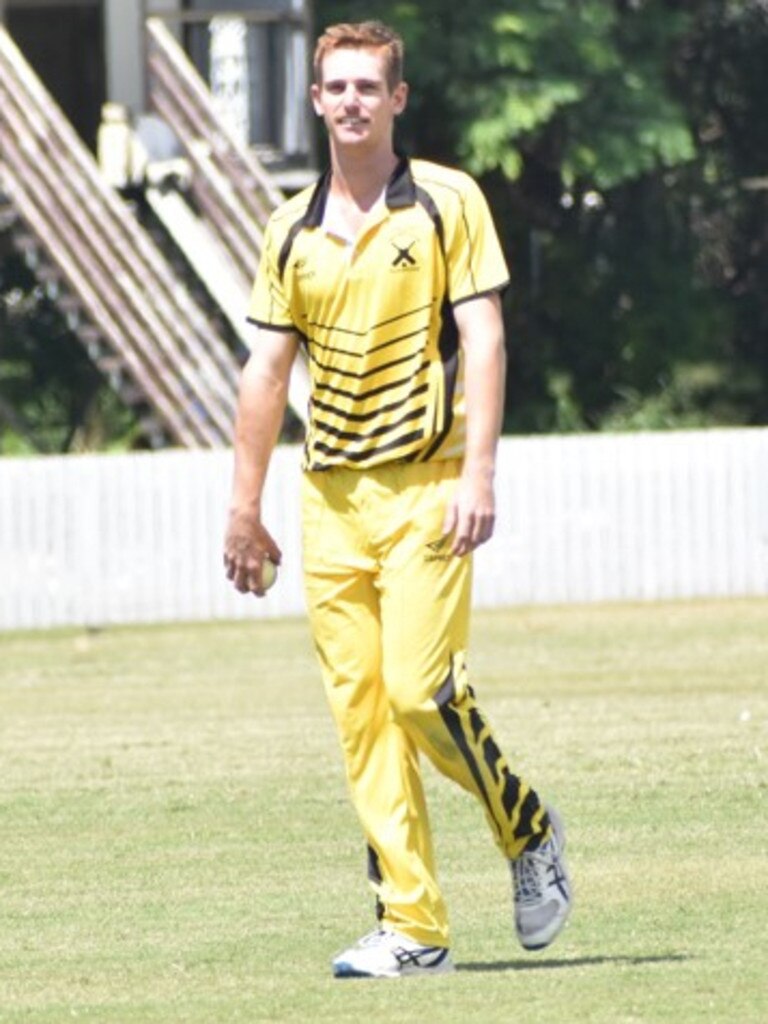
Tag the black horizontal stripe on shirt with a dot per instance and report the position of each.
(362, 417)
(400, 337)
(346, 456)
(316, 325)
(374, 327)
(333, 350)
(368, 373)
(374, 392)
(402, 316)
(385, 428)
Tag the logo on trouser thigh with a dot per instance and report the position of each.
(437, 550)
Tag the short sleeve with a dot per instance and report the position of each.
(269, 306)
(476, 263)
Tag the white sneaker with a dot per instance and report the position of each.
(387, 954)
(542, 890)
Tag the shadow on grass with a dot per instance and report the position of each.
(583, 961)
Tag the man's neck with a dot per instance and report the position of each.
(360, 178)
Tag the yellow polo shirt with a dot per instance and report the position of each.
(376, 314)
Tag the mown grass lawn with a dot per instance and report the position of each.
(176, 843)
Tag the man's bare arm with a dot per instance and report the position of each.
(472, 514)
(261, 407)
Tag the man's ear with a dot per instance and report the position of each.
(314, 95)
(400, 98)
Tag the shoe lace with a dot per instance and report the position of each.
(527, 875)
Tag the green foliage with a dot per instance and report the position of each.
(623, 145)
(613, 140)
(690, 398)
(52, 398)
(585, 79)
(724, 80)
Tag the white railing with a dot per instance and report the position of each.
(93, 540)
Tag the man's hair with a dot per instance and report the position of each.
(362, 35)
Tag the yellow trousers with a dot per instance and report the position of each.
(389, 610)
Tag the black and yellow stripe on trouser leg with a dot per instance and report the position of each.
(389, 608)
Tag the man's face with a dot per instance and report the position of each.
(354, 99)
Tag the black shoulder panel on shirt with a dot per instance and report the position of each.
(311, 218)
(429, 204)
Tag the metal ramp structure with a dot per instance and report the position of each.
(131, 310)
(137, 321)
(229, 187)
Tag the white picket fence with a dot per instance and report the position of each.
(91, 540)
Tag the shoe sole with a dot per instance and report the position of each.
(444, 966)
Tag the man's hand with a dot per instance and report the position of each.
(246, 545)
(471, 514)
(260, 410)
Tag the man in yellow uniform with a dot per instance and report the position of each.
(388, 273)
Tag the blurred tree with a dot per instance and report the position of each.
(52, 398)
(623, 145)
(723, 80)
(573, 87)
(612, 137)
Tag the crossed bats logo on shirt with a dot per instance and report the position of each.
(404, 257)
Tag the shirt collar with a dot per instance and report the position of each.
(400, 192)
(401, 188)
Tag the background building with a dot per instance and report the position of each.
(143, 146)
(89, 52)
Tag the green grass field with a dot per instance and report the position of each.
(176, 843)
